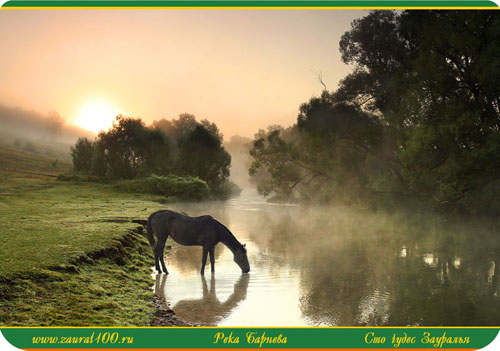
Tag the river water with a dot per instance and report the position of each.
(335, 266)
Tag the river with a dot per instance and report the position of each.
(335, 266)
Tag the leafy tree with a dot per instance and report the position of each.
(99, 165)
(335, 151)
(418, 116)
(131, 149)
(202, 155)
(456, 143)
(81, 154)
(430, 76)
(156, 151)
(176, 129)
(274, 168)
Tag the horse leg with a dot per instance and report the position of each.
(203, 260)
(157, 258)
(162, 256)
(159, 248)
(212, 259)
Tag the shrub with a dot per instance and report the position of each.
(226, 190)
(185, 188)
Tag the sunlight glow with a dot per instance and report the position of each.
(96, 115)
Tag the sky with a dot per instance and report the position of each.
(242, 69)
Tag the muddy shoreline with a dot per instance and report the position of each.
(164, 316)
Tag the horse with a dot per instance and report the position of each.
(185, 230)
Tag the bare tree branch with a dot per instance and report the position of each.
(319, 75)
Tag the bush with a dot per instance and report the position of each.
(226, 190)
(185, 188)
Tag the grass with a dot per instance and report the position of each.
(12, 159)
(21, 168)
(68, 253)
(47, 227)
(105, 291)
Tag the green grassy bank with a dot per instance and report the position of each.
(70, 255)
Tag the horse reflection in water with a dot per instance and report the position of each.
(208, 310)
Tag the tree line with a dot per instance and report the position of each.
(418, 118)
(130, 149)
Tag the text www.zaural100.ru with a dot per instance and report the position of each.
(94, 338)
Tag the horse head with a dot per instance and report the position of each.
(241, 258)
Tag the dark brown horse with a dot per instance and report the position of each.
(204, 231)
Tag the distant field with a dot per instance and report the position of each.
(21, 168)
(49, 228)
(18, 160)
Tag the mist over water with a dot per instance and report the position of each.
(335, 266)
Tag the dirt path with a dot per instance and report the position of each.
(9, 190)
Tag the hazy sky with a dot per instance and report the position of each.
(242, 69)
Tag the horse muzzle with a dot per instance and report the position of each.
(245, 270)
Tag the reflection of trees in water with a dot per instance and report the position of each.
(333, 285)
(383, 271)
(445, 277)
(208, 310)
(360, 268)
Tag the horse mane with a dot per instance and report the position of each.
(225, 235)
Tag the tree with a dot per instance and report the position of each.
(429, 76)
(456, 143)
(419, 116)
(202, 155)
(334, 151)
(131, 149)
(276, 167)
(81, 154)
(127, 150)
(176, 129)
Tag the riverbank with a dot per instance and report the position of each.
(69, 252)
(105, 287)
(109, 286)
(70, 255)
(165, 317)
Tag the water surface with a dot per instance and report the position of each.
(334, 266)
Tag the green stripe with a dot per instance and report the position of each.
(246, 3)
(431, 338)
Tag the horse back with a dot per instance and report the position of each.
(185, 230)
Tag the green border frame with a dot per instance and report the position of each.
(258, 4)
(295, 338)
(203, 337)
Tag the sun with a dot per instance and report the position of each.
(96, 115)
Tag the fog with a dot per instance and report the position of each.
(46, 134)
(337, 266)
(238, 147)
(49, 135)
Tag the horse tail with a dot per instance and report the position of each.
(151, 236)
